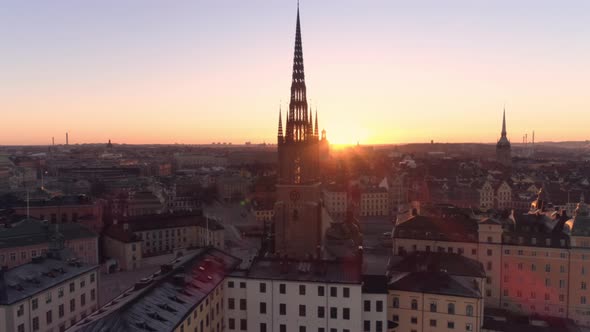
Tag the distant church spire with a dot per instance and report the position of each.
(504, 123)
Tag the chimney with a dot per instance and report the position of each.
(67, 141)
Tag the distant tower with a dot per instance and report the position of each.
(298, 222)
(67, 141)
(503, 150)
(109, 145)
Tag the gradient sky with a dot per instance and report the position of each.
(379, 71)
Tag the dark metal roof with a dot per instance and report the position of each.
(29, 279)
(163, 300)
(31, 232)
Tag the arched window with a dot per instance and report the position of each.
(451, 308)
(469, 310)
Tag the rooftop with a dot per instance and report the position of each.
(344, 271)
(29, 279)
(161, 301)
(435, 283)
(30, 232)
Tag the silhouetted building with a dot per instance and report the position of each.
(298, 225)
(503, 150)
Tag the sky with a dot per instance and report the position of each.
(378, 71)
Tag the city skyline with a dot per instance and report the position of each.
(396, 74)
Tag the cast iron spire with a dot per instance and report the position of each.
(298, 129)
(504, 123)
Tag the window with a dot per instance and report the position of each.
(49, 317)
(230, 284)
(243, 325)
(231, 324)
(450, 325)
(583, 285)
(283, 328)
(533, 267)
(282, 288)
(489, 252)
(474, 252)
(301, 310)
(548, 268)
(263, 307)
(34, 304)
(282, 309)
(379, 326)
(414, 304)
(302, 329)
(320, 290)
(379, 306)
(346, 313)
(469, 310)
(20, 311)
(367, 305)
(242, 304)
(433, 307)
(72, 287)
(468, 327)
(583, 300)
(395, 318)
(333, 291)
(346, 292)
(433, 322)
(92, 294)
(367, 325)
(262, 327)
(262, 287)
(35, 323)
(451, 308)
(301, 289)
(21, 328)
(242, 284)
(414, 320)
(231, 303)
(321, 312)
(61, 311)
(396, 302)
(333, 313)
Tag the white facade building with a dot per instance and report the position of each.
(283, 296)
(49, 294)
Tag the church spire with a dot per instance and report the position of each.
(315, 132)
(298, 128)
(280, 134)
(504, 123)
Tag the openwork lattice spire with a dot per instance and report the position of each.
(298, 120)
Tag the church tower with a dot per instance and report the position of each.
(298, 222)
(503, 150)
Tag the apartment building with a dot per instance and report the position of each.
(30, 238)
(51, 293)
(277, 294)
(185, 295)
(374, 201)
(335, 199)
(436, 292)
(131, 239)
(535, 262)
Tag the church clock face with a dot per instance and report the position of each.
(294, 195)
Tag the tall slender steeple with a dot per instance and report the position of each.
(504, 123)
(298, 116)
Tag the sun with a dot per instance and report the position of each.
(346, 136)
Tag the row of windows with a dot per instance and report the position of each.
(434, 307)
(243, 326)
(520, 252)
(302, 289)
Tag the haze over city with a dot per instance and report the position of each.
(378, 72)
